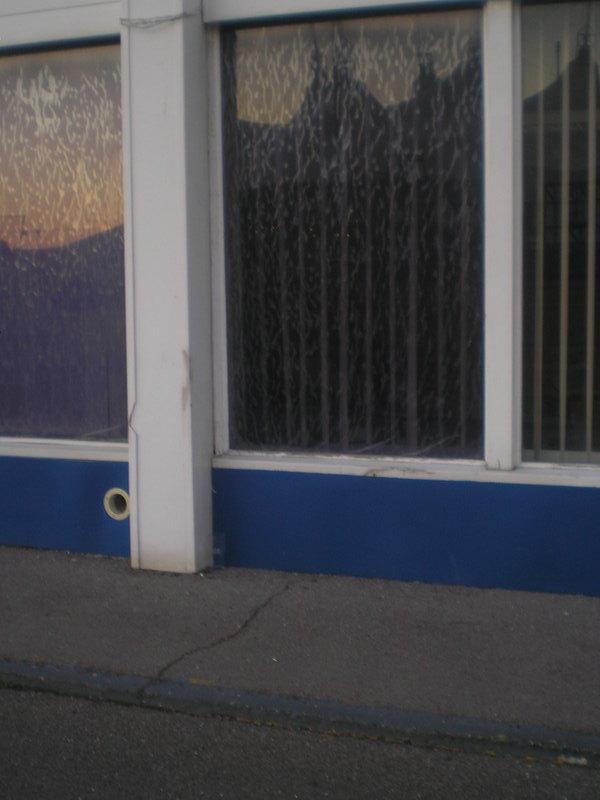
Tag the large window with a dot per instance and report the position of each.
(353, 176)
(62, 336)
(561, 282)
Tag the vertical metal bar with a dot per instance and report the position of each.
(441, 277)
(302, 285)
(414, 172)
(538, 347)
(258, 159)
(344, 340)
(368, 279)
(517, 234)
(591, 243)
(262, 305)
(412, 339)
(323, 289)
(465, 258)
(282, 260)
(564, 240)
(465, 244)
(392, 267)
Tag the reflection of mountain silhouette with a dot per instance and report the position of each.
(62, 339)
(577, 74)
(330, 103)
(577, 71)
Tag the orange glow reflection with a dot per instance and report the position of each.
(276, 65)
(60, 146)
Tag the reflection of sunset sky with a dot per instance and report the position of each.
(60, 146)
(275, 65)
(282, 56)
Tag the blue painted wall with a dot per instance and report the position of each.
(538, 538)
(57, 504)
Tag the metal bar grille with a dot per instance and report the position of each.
(353, 152)
(561, 232)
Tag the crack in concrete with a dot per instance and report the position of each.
(227, 637)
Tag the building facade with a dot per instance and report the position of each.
(306, 286)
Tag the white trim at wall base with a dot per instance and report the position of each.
(68, 449)
(415, 469)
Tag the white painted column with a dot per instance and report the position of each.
(503, 237)
(165, 123)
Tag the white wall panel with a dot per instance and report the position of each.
(168, 280)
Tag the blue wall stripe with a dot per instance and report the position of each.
(541, 538)
(57, 504)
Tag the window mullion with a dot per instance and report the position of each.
(217, 245)
(503, 251)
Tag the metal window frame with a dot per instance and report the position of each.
(219, 12)
(35, 23)
(165, 207)
(503, 270)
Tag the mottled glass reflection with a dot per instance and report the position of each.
(62, 334)
(561, 114)
(353, 153)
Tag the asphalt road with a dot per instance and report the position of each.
(56, 747)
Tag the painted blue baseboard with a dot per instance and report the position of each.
(57, 504)
(538, 538)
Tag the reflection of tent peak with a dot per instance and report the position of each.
(577, 71)
(345, 85)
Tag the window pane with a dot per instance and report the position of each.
(62, 334)
(561, 390)
(353, 171)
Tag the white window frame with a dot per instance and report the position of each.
(42, 22)
(165, 200)
(502, 102)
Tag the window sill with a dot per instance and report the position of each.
(68, 449)
(416, 469)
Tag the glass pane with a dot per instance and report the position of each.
(62, 334)
(353, 172)
(561, 389)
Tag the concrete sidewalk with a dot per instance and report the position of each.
(411, 661)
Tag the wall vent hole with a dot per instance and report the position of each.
(116, 504)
